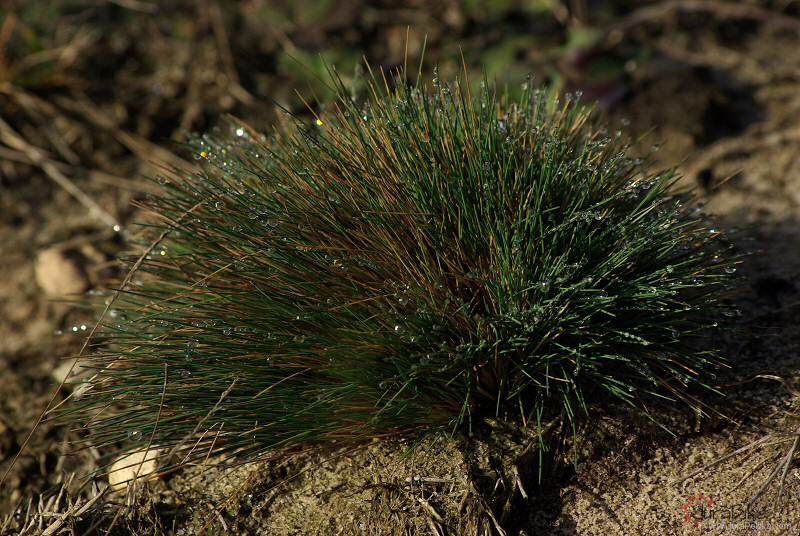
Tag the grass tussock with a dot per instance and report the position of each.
(408, 261)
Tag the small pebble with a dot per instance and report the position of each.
(122, 471)
(59, 274)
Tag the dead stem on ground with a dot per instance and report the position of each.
(786, 462)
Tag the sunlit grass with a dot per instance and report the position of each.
(405, 263)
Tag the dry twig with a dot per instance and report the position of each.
(39, 157)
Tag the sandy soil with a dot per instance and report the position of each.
(718, 82)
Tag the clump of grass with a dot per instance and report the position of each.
(408, 262)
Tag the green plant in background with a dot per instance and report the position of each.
(411, 262)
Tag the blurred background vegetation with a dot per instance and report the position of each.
(87, 84)
(95, 89)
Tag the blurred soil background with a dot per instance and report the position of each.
(96, 96)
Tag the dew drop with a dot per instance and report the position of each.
(226, 331)
(135, 435)
(652, 290)
(219, 204)
(383, 385)
(543, 286)
(730, 269)
(299, 338)
(399, 329)
(670, 269)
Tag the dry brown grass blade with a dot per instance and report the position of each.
(6, 30)
(786, 462)
(487, 509)
(135, 5)
(144, 149)
(39, 157)
(722, 10)
(23, 157)
(72, 513)
(60, 57)
(44, 114)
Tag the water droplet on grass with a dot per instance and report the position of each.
(135, 435)
(730, 269)
(543, 286)
(399, 329)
